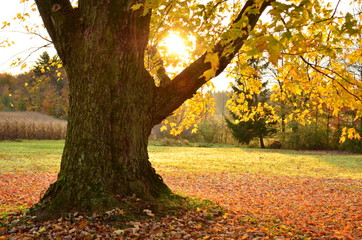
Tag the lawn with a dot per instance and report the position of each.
(265, 194)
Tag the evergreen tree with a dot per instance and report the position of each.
(247, 123)
(50, 69)
(48, 89)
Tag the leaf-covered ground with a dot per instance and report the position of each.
(283, 206)
(255, 204)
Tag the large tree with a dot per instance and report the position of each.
(115, 101)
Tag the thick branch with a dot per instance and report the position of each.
(55, 14)
(185, 84)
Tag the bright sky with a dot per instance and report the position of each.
(26, 46)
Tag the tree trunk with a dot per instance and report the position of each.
(105, 154)
(112, 100)
(261, 140)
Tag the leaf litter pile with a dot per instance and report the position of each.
(248, 206)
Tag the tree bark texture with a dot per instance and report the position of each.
(114, 102)
(261, 140)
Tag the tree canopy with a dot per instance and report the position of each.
(312, 35)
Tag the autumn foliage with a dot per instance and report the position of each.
(43, 89)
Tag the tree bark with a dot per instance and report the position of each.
(114, 102)
(111, 109)
(261, 140)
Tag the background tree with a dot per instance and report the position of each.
(308, 86)
(252, 116)
(312, 70)
(48, 88)
(6, 90)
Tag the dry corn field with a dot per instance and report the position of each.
(30, 125)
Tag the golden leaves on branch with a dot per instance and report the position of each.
(189, 114)
(5, 24)
(136, 6)
(6, 43)
(213, 59)
(21, 16)
(349, 133)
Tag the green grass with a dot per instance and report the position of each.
(31, 155)
(257, 161)
(45, 156)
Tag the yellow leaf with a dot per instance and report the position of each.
(344, 130)
(5, 23)
(163, 128)
(298, 91)
(212, 58)
(208, 74)
(175, 132)
(136, 6)
(120, 211)
(118, 232)
(352, 134)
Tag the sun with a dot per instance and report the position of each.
(175, 45)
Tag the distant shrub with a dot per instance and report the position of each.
(307, 137)
(351, 145)
(275, 145)
(30, 125)
(173, 142)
